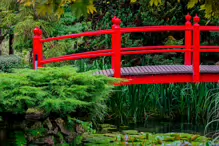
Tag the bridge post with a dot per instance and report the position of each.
(116, 47)
(37, 48)
(188, 41)
(196, 50)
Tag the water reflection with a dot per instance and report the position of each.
(7, 137)
(166, 127)
(4, 139)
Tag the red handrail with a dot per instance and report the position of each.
(74, 36)
(209, 28)
(192, 47)
(154, 29)
(152, 47)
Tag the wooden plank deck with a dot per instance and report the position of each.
(160, 70)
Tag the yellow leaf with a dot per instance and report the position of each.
(20, 1)
(202, 7)
(91, 9)
(178, 1)
(28, 4)
(155, 2)
(171, 38)
(192, 3)
(60, 12)
(133, 1)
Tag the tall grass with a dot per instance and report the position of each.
(189, 103)
(212, 127)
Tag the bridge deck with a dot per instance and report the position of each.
(160, 70)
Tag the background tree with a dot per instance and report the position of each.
(209, 6)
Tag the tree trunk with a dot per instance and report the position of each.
(11, 50)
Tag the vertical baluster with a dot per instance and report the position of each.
(188, 41)
(196, 52)
(37, 48)
(116, 47)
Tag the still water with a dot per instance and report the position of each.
(167, 127)
(7, 134)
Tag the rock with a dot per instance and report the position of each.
(47, 123)
(79, 129)
(36, 125)
(34, 114)
(71, 137)
(49, 141)
(53, 132)
(60, 123)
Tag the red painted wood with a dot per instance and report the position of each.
(209, 50)
(153, 52)
(154, 29)
(209, 47)
(116, 43)
(196, 53)
(157, 79)
(37, 48)
(74, 57)
(153, 47)
(209, 28)
(73, 36)
(188, 41)
(192, 46)
(212, 78)
(168, 79)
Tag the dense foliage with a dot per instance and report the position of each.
(7, 63)
(136, 103)
(54, 90)
(209, 6)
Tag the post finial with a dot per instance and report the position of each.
(37, 31)
(188, 17)
(196, 19)
(116, 21)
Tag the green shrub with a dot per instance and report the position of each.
(62, 91)
(7, 63)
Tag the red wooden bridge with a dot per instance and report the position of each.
(191, 72)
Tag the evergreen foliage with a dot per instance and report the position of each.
(7, 63)
(53, 90)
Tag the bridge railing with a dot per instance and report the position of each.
(191, 48)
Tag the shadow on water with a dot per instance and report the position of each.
(7, 134)
(167, 127)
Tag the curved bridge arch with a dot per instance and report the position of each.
(190, 72)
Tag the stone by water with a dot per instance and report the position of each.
(130, 134)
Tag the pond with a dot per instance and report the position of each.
(166, 127)
(7, 133)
